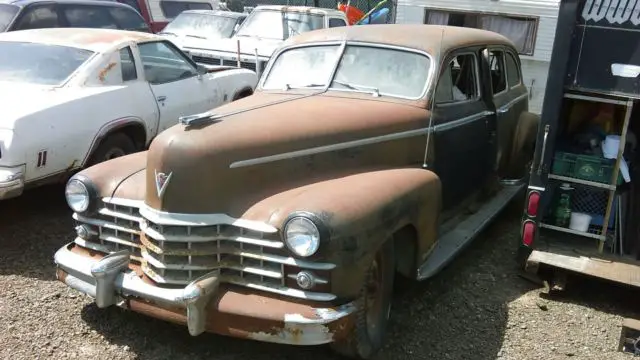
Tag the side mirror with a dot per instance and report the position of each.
(201, 69)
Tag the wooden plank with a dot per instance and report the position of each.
(623, 272)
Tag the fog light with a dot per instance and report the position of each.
(305, 280)
(83, 232)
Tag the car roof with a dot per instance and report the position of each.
(309, 9)
(414, 36)
(23, 3)
(224, 13)
(97, 40)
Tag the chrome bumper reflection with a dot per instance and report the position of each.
(108, 280)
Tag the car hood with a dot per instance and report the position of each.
(260, 149)
(248, 45)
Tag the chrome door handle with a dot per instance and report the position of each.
(161, 98)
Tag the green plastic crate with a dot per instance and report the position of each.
(584, 167)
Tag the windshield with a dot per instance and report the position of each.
(7, 13)
(39, 63)
(201, 25)
(376, 70)
(277, 25)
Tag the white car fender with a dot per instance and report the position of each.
(234, 81)
(68, 131)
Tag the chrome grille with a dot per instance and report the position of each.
(177, 255)
(250, 65)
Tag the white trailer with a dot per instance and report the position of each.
(530, 24)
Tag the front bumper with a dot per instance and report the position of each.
(11, 189)
(207, 304)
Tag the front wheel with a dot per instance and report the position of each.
(373, 308)
(113, 146)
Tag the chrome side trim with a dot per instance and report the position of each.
(504, 108)
(361, 142)
(328, 148)
(461, 122)
(180, 219)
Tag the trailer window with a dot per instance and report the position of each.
(519, 29)
(513, 71)
(498, 76)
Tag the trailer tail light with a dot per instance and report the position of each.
(528, 233)
(532, 203)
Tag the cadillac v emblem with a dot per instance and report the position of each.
(162, 180)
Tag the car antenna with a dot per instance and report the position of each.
(431, 105)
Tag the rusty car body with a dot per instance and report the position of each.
(285, 216)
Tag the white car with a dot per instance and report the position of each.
(75, 97)
(264, 30)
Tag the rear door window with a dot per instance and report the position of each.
(88, 16)
(38, 17)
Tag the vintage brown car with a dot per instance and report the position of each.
(366, 152)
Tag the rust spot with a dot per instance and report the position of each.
(103, 72)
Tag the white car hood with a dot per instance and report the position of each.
(248, 45)
(21, 99)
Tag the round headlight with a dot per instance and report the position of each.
(77, 195)
(302, 236)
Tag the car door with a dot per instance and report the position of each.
(462, 132)
(507, 99)
(175, 82)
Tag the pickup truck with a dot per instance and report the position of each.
(75, 97)
(263, 31)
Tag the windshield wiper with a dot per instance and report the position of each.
(373, 90)
(167, 33)
(295, 86)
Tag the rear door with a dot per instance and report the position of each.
(462, 137)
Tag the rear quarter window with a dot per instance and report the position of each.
(128, 19)
(513, 70)
(88, 16)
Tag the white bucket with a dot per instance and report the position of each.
(580, 222)
(610, 146)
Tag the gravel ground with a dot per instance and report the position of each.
(477, 308)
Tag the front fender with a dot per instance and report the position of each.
(359, 212)
(234, 81)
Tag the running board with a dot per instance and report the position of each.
(461, 234)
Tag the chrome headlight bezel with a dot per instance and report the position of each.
(84, 191)
(303, 234)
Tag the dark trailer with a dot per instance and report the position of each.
(582, 211)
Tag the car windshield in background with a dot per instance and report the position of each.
(201, 25)
(279, 25)
(7, 13)
(369, 69)
(39, 63)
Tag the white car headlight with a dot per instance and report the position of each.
(302, 236)
(77, 195)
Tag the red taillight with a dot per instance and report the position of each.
(532, 203)
(528, 233)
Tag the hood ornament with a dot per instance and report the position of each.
(162, 180)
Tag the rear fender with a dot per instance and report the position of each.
(356, 214)
(523, 142)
